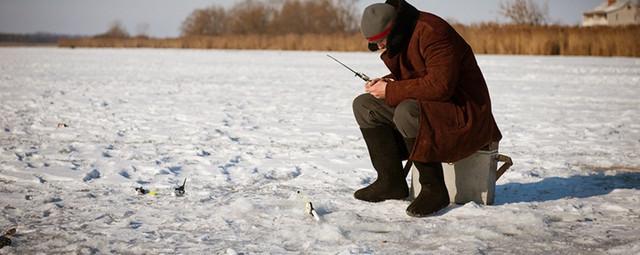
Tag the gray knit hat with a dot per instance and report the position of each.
(377, 22)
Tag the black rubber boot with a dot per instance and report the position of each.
(433, 193)
(386, 157)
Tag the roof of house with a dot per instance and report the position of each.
(605, 8)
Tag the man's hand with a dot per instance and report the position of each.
(377, 88)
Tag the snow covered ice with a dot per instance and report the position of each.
(81, 129)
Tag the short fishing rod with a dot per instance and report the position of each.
(360, 75)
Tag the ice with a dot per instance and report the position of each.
(81, 129)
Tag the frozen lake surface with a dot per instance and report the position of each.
(80, 129)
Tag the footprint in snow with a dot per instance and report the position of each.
(283, 174)
(366, 180)
(41, 179)
(125, 174)
(142, 182)
(175, 170)
(135, 224)
(203, 153)
(94, 174)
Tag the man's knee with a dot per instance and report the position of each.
(406, 117)
(362, 106)
(363, 101)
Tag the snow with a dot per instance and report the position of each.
(81, 129)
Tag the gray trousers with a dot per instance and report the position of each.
(371, 112)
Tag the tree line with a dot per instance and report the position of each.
(275, 17)
(333, 25)
(27, 39)
(283, 17)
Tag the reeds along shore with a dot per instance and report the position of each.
(552, 40)
(484, 39)
(332, 42)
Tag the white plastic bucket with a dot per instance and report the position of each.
(470, 179)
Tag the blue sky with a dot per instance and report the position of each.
(163, 17)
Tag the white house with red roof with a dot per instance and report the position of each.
(613, 13)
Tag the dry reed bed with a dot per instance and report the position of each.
(334, 42)
(553, 40)
(485, 39)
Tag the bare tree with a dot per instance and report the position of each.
(315, 17)
(208, 21)
(525, 12)
(346, 12)
(142, 30)
(116, 30)
(328, 16)
(290, 19)
(274, 17)
(250, 17)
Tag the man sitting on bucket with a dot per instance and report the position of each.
(433, 107)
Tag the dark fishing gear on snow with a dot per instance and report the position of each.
(308, 206)
(142, 191)
(4, 239)
(360, 75)
(179, 191)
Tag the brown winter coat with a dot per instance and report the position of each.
(434, 65)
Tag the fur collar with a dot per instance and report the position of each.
(405, 23)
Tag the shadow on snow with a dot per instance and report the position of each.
(554, 188)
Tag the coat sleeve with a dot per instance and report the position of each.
(389, 76)
(438, 83)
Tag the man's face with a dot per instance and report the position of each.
(382, 44)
